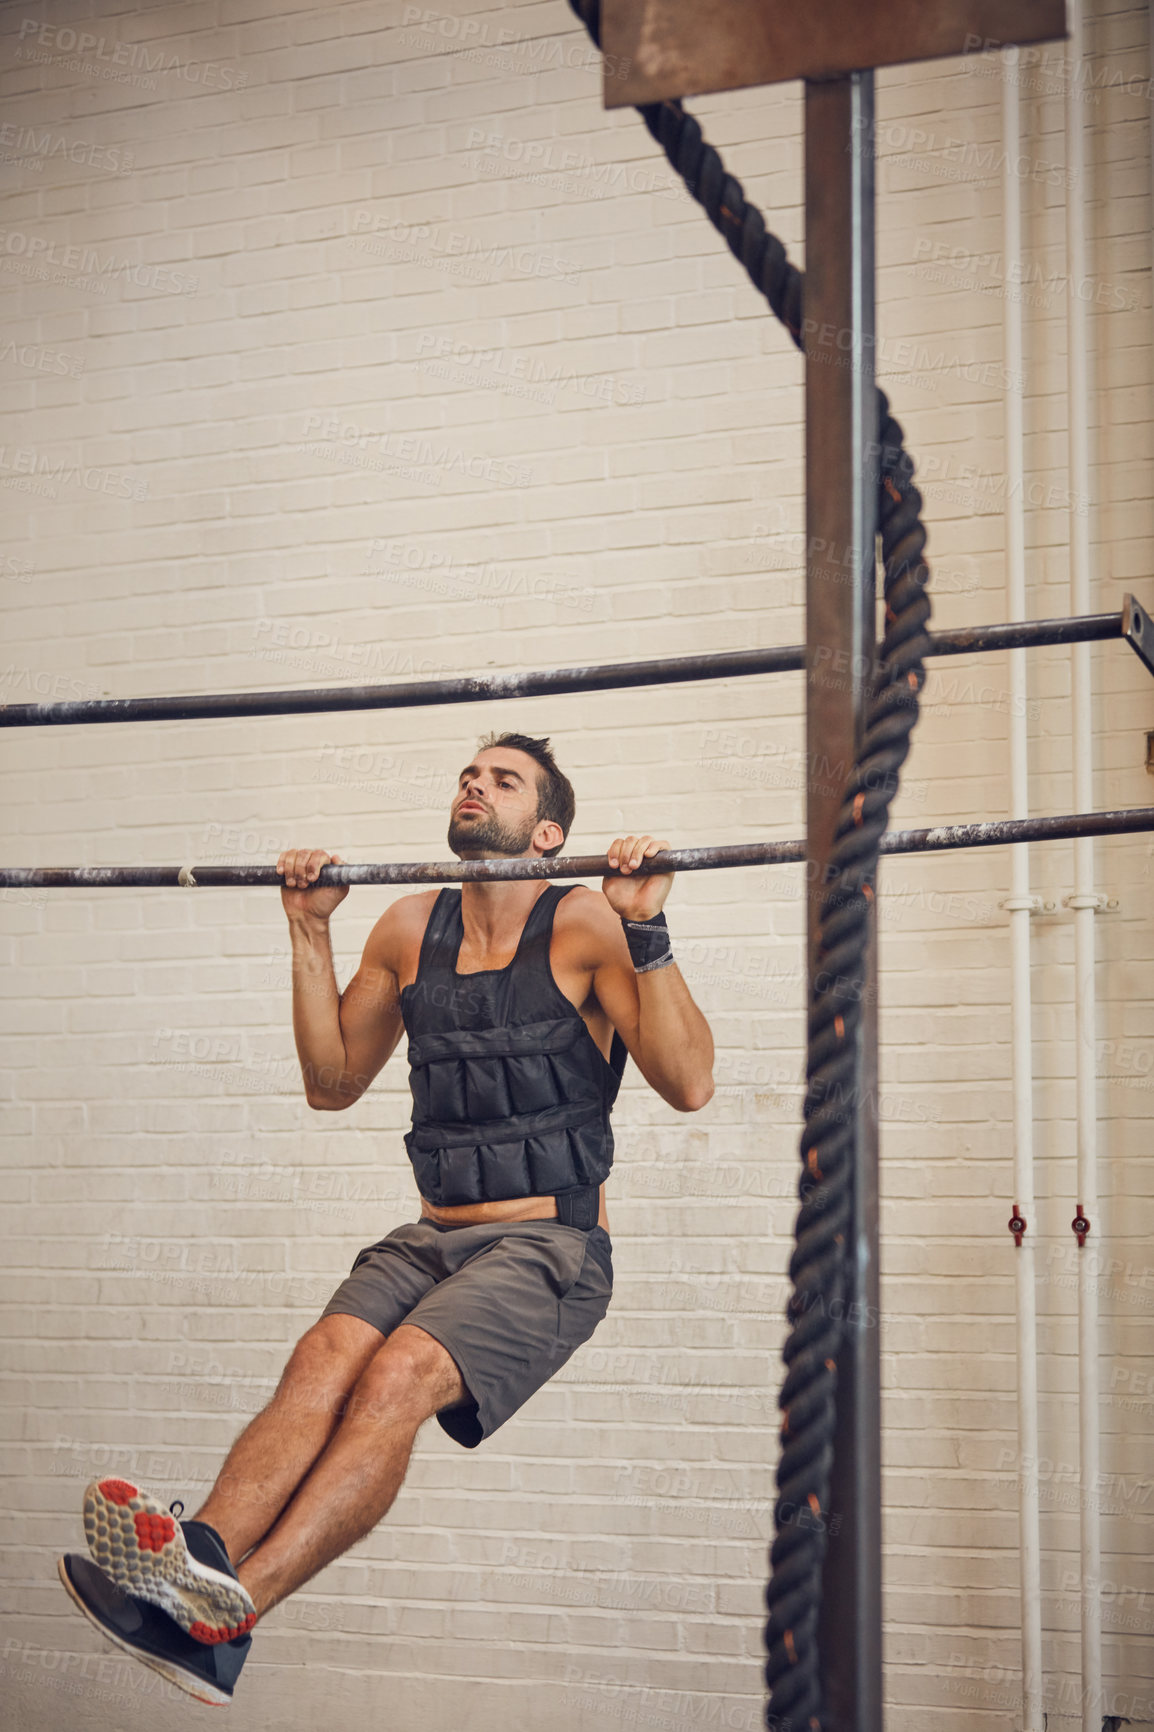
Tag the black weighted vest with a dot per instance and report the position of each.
(511, 1094)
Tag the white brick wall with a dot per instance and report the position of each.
(383, 350)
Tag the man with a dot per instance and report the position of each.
(520, 1000)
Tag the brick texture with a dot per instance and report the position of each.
(355, 342)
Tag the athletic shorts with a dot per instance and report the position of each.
(511, 1301)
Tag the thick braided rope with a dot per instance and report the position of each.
(818, 1267)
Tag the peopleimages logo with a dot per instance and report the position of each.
(41, 255)
(436, 573)
(1047, 69)
(24, 469)
(105, 57)
(400, 242)
(40, 359)
(943, 262)
(366, 448)
(548, 162)
(27, 144)
(476, 40)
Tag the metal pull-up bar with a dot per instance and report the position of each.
(940, 838)
(1130, 623)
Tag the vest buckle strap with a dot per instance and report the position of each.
(579, 1208)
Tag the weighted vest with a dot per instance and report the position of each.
(511, 1094)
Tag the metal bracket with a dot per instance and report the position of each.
(1099, 903)
(1138, 630)
(655, 49)
(1032, 905)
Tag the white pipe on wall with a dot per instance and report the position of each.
(1020, 904)
(1084, 900)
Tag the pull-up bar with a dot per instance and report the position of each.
(1130, 623)
(940, 838)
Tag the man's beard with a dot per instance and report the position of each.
(490, 836)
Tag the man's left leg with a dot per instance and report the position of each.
(274, 1452)
(355, 1479)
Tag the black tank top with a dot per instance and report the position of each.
(511, 1093)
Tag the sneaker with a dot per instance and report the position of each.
(141, 1547)
(208, 1673)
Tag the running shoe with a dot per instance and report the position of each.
(140, 1629)
(141, 1547)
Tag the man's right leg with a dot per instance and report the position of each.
(274, 1453)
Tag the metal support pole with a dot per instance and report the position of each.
(841, 529)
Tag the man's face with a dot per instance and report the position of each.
(494, 810)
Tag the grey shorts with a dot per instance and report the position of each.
(511, 1301)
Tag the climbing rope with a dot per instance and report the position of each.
(818, 1267)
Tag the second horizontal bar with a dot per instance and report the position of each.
(487, 688)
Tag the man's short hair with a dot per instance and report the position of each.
(556, 800)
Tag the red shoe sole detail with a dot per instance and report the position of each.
(118, 1491)
(202, 1632)
(153, 1532)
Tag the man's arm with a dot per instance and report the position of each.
(668, 1038)
(342, 1039)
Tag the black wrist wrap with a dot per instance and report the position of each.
(649, 945)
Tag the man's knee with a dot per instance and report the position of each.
(412, 1376)
(327, 1361)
